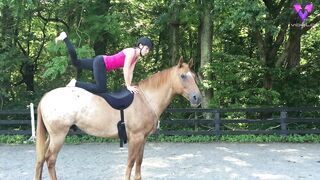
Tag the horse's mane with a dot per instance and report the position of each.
(158, 79)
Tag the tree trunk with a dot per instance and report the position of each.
(206, 30)
(174, 32)
(28, 72)
(291, 55)
(269, 57)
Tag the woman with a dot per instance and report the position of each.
(125, 59)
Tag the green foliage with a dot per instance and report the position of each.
(28, 29)
(57, 65)
(13, 139)
(236, 83)
(6, 68)
(78, 139)
(301, 86)
(239, 139)
(241, 84)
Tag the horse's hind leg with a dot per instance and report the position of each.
(40, 162)
(55, 144)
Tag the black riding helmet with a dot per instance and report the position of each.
(145, 41)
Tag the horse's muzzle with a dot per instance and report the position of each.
(195, 99)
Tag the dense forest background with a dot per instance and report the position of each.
(247, 53)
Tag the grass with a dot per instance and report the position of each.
(78, 139)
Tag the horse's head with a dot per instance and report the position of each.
(185, 84)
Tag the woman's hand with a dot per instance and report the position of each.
(133, 89)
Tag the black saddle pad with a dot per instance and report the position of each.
(120, 99)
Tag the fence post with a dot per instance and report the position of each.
(217, 123)
(283, 117)
(33, 131)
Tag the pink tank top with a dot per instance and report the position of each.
(115, 61)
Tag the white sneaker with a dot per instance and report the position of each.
(61, 37)
(72, 83)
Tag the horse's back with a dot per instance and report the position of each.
(66, 106)
(66, 96)
(67, 102)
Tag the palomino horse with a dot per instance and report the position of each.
(61, 108)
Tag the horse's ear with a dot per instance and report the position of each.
(180, 62)
(190, 63)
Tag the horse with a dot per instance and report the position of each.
(61, 108)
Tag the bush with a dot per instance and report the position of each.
(78, 139)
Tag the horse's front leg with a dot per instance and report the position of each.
(139, 159)
(136, 141)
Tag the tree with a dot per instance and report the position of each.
(174, 31)
(263, 36)
(282, 17)
(261, 53)
(205, 33)
(6, 51)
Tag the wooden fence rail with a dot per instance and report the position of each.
(282, 121)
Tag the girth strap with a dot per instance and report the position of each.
(120, 100)
(122, 129)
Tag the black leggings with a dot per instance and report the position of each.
(94, 64)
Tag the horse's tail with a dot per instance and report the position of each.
(41, 146)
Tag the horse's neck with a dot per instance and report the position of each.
(158, 94)
(159, 98)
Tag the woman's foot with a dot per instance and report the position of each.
(72, 83)
(61, 37)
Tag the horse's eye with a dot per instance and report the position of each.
(183, 76)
